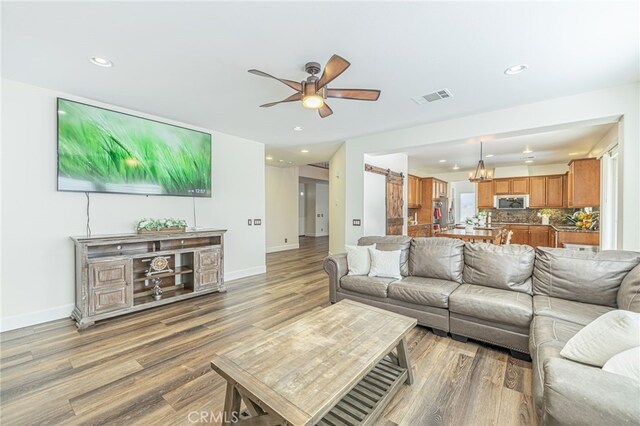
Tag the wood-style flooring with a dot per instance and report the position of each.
(153, 367)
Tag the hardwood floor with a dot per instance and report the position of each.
(152, 367)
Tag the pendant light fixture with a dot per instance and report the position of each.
(481, 174)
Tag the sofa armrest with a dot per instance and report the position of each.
(577, 394)
(336, 267)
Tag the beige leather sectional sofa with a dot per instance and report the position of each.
(529, 301)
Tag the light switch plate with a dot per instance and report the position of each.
(257, 221)
(249, 222)
(357, 222)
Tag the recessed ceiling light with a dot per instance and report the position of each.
(527, 151)
(456, 167)
(297, 129)
(573, 153)
(529, 161)
(489, 155)
(516, 69)
(101, 62)
(304, 151)
(289, 162)
(443, 161)
(269, 158)
(282, 161)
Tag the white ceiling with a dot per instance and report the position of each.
(188, 61)
(554, 147)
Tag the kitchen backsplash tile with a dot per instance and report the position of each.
(527, 215)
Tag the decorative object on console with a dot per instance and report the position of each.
(148, 225)
(545, 214)
(313, 91)
(481, 174)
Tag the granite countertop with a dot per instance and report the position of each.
(558, 227)
(421, 224)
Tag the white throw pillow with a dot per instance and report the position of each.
(385, 263)
(358, 259)
(625, 363)
(606, 336)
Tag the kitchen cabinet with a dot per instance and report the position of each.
(539, 236)
(546, 191)
(430, 189)
(511, 186)
(414, 192)
(439, 188)
(565, 190)
(573, 237)
(583, 183)
(417, 231)
(520, 234)
(520, 186)
(484, 194)
(502, 186)
(538, 193)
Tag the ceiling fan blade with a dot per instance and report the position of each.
(325, 111)
(294, 97)
(335, 66)
(356, 94)
(293, 84)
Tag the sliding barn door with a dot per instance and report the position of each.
(395, 217)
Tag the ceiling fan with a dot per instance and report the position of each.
(313, 91)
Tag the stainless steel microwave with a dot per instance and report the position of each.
(511, 202)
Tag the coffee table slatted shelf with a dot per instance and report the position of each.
(368, 398)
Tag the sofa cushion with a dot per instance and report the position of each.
(608, 335)
(422, 291)
(502, 306)
(547, 337)
(391, 242)
(385, 263)
(628, 296)
(567, 310)
(582, 276)
(374, 286)
(435, 257)
(507, 267)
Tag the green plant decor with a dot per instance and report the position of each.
(149, 224)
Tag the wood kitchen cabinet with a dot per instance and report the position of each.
(511, 186)
(502, 186)
(539, 236)
(430, 189)
(546, 191)
(414, 192)
(583, 183)
(586, 238)
(484, 191)
(520, 234)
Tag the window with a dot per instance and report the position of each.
(467, 206)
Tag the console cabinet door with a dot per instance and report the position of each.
(110, 286)
(208, 270)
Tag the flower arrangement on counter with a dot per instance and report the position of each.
(160, 225)
(583, 219)
(545, 214)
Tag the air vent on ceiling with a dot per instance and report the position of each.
(527, 157)
(432, 97)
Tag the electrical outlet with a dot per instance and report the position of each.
(286, 240)
(357, 222)
(318, 214)
(249, 222)
(257, 221)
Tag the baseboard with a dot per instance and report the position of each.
(234, 275)
(283, 248)
(33, 318)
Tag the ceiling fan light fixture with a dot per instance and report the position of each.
(312, 101)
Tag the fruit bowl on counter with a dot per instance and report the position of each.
(583, 219)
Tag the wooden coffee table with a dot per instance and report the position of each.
(334, 366)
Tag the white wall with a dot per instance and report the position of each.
(608, 141)
(597, 107)
(37, 254)
(281, 208)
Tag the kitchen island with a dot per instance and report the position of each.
(490, 235)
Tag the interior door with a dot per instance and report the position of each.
(395, 216)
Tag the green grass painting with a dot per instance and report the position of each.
(105, 151)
